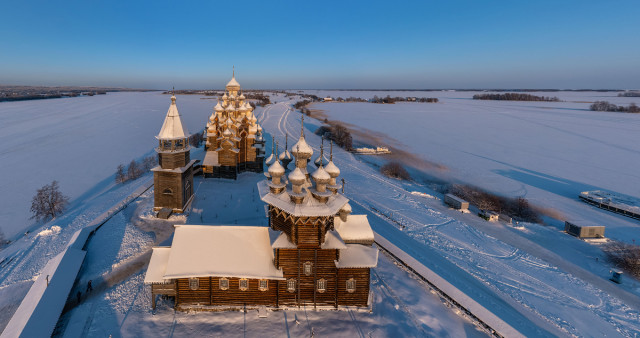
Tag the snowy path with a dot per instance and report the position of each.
(493, 263)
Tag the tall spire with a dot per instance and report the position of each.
(302, 127)
(234, 71)
(331, 152)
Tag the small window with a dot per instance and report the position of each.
(224, 283)
(167, 192)
(351, 285)
(291, 285)
(307, 268)
(321, 285)
(194, 283)
(263, 285)
(244, 284)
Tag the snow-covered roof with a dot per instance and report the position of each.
(321, 175)
(157, 266)
(332, 169)
(172, 127)
(276, 169)
(358, 256)
(332, 240)
(297, 176)
(233, 83)
(211, 159)
(302, 148)
(309, 206)
(221, 251)
(282, 242)
(356, 228)
(176, 170)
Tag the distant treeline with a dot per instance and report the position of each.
(27, 97)
(606, 106)
(338, 133)
(517, 208)
(515, 97)
(389, 99)
(629, 94)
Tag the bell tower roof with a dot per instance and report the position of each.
(172, 127)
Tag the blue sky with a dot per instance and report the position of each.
(305, 44)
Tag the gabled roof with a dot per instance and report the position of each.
(356, 228)
(172, 127)
(357, 256)
(221, 251)
(157, 266)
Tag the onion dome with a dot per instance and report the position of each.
(259, 128)
(241, 97)
(218, 107)
(285, 155)
(276, 169)
(320, 160)
(302, 149)
(332, 169)
(233, 83)
(321, 176)
(272, 158)
(242, 108)
(211, 129)
(297, 177)
(230, 108)
(225, 97)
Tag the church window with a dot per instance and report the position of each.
(307, 268)
(224, 283)
(194, 283)
(244, 284)
(351, 285)
(264, 285)
(321, 285)
(167, 191)
(291, 285)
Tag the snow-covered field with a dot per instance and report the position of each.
(79, 142)
(537, 279)
(548, 152)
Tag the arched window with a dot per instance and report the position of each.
(167, 192)
(224, 283)
(194, 283)
(321, 285)
(351, 285)
(244, 284)
(307, 268)
(291, 285)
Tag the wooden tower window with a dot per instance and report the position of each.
(167, 192)
(291, 285)
(307, 268)
(224, 283)
(321, 285)
(351, 285)
(194, 283)
(263, 285)
(244, 284)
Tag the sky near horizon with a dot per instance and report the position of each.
(323, 45)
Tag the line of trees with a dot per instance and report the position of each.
(135, 169)
(515, 97)
(339, 134)
(389, 99)
(606, 106)
(395, 170)
(629, 94)
(517, 208)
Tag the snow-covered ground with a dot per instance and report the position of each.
(538, 279)
(79, 142)
(548, 152)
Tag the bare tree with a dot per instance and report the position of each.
(624, 256)
(121, 177)
(149, 162)
(48, 202)
(133, 171)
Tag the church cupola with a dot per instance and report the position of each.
(321, 178)
(344, 212)
(302, 151)
(334, 172)
(285, 156)
(297, 179)
(276, 171)
(272, 158)
(321, 159)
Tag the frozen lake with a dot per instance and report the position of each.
(547, 152)
(79, 142)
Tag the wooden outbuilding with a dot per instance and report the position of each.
(456, 202)
(584, 229)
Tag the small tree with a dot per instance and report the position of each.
(134, 170)
(48, 202)
(120, 175)
(395, 170)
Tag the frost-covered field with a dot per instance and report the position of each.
(79, 142)
(547, 152)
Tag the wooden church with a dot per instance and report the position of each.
(233, 137)
(314, 252)
(173, 177)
